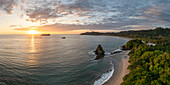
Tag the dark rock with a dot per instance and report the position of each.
(99, 52)
(63, 37)
(45, 35)
(99, 57)
(123, 48)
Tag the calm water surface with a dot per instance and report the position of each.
(36, 60)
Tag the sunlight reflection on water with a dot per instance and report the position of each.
(32, 58)
(33, 44)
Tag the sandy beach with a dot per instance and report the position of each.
(120, 68)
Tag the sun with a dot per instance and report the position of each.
(33, 32)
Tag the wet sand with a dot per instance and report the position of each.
(120, 61)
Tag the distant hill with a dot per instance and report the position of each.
(135, 34)
(158, 35)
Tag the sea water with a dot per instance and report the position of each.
(51, 60)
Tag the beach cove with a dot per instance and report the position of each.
(120, 68)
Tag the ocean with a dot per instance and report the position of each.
(37, 60)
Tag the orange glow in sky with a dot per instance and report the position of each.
(33, 32)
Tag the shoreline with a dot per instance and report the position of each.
(114, 36)
(121, 63)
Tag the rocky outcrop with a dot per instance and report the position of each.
(123, 48)
(99, 57)
(99, 52)
(45, 35)
(63, 37)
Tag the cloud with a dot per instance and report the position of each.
(55, 9)
(13, 26)
(22, 29)
(93, 14)
(160, 12)
(7, 5)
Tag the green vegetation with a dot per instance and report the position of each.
(132, 43)
(149, 65)
(158, 36)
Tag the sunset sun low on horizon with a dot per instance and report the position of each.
(32, 32)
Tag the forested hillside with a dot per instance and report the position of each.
(149, 65)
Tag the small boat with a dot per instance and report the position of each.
(45, 35)
(63, 37)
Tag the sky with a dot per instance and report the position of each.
(76, 16)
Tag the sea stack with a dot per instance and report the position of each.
(99, 52)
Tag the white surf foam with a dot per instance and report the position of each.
(92, 53)
(105, 77)
(118, 49)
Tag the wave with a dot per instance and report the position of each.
(118, 49)
(105, 77)
(92, 53)
(107, 53)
